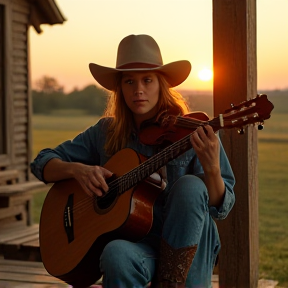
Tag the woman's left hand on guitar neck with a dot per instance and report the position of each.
(207, 147)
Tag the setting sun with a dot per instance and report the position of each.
(205, 74)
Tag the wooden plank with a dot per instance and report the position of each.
(19, 137)
(20, 104)
(33, 243)
(19, 69)
(16, 263)
(20, 160)
(23, 239)
(234, 54)
(19, 62)
(19, 199)
(18, 27)
(11, 211)
(8, 175)
(20, 95)
(4, 161)
(21, 2)
(30, 278)
(20, 120)
(23, 269)
(19, 36)
(19, 17)
(27, 240)
(10, 235)
(20, 128)
(20, 145)
(20, 112)
(13, 284)
(23, 9)
(19, 77)
(21, 187)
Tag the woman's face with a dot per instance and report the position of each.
(141, 94)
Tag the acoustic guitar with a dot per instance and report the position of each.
(75, 228)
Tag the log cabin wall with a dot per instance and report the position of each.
(15, 102)
(16, 112)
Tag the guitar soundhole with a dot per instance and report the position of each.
(105, 203)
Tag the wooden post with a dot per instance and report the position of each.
(234, 54)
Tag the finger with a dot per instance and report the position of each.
(106, 173)
(202, 132)
(195, 140)
(210, 133)
(91, 192)
(95, 186)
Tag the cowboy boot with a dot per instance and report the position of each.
(174, 265)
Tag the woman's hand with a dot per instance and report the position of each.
(207, 147)
(92, 178)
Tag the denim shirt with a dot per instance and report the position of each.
(88, 148)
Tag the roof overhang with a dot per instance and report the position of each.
(45, 12)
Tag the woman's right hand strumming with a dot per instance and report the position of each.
(91, 178)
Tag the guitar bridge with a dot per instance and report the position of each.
(68, 218)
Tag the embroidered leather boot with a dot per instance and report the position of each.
(174, 265)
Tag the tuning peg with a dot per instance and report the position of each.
(241, 131)
(232, 105)
(260, 126)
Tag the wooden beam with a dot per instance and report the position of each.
(234, 60)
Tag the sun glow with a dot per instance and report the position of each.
(205, 74)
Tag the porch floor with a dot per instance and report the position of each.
(28, 274)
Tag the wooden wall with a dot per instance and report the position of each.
(17, 87)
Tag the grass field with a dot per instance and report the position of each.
(273, 184)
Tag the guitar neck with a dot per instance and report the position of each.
(153, 164)
(252, 111)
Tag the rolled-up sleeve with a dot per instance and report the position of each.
(83, 149)
(227, 174)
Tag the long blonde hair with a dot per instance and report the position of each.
(121, 124)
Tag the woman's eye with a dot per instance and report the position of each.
(148, 80)
(129, 81)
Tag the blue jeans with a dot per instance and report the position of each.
(182, 219)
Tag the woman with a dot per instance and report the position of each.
(182, 245)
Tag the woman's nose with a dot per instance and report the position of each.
(138, 88)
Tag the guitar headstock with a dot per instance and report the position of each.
(253, 111)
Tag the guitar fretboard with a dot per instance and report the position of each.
(153, 164)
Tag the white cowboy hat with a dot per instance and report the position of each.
(140, 53)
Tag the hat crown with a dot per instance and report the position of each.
(138, 49)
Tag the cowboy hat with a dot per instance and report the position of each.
(140, 53)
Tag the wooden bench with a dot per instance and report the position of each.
(18, 236)
(19, 242)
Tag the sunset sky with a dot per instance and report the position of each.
(182, 28)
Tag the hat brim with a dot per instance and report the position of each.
(175, 73)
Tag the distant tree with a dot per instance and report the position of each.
(91, 99)
(48, 85)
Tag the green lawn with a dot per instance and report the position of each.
(273, 183)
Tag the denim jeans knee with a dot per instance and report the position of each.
(127, 264)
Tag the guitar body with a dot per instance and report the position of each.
(74, 230)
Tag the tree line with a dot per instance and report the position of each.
(48, 95)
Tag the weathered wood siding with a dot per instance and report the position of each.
(19, 89)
